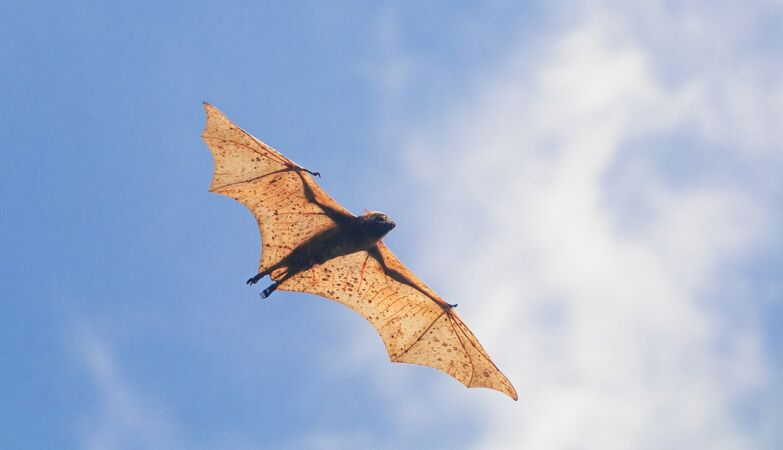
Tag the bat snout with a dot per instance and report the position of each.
(389, 225)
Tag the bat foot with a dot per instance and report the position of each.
(255, 279)
(268, 291)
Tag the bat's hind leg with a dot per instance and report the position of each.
(268, 291)
(256, 278)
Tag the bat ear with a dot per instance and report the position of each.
(366, 212)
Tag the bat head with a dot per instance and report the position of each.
(377, 223)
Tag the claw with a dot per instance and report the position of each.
(315, 174)
(268, 291)
(254, 280)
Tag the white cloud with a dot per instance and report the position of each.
(126, 417)
(123, 418)
(604, 313)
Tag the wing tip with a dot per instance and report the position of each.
(207, 109)
(513, 394)
(504, 387)
(214, 118)
(211, 110)
(508, 388)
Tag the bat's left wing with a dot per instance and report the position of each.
(288, 205)
(416, 325)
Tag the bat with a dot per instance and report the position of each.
(309, 243)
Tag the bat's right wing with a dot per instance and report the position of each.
(416, 325)
(288, 205)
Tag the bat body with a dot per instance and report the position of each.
(312, 244)
(348, 235)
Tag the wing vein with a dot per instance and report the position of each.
(422, 334)
(383, 300)
(266, 153)
(386, 308)
(472, 339)
(464, 349)
(394, 316)
(287, 169)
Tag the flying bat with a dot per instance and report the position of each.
(309, 243)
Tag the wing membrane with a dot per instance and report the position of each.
(288, 205)
(416, 325)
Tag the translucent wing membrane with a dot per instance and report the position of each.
(416, 325)
(276, 190)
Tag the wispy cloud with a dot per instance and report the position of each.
(594, 272)
(600, 182)
(123, 417)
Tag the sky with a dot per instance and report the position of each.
(597, 184)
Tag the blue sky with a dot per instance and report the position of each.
(597, 186)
